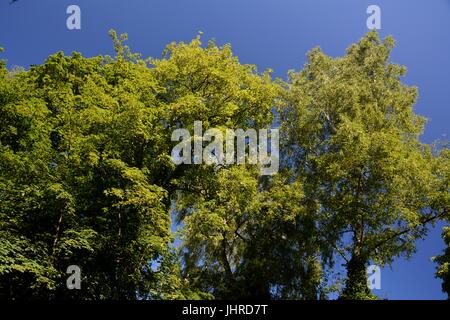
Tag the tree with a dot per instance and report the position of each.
(76, 165)
(209, 85)
(442, 198)
(351, 132)
(249, 238)
(443, 260)
(23, 150)
(215, 204)
(87, 178)
(86, 173)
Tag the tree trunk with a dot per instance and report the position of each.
(356, 287)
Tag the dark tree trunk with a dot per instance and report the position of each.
(356, 287)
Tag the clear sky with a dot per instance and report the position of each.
(270, 34)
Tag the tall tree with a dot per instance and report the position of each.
(351, 132)
(210, 85)
(76, 178)
(86, 175)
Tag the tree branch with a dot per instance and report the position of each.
(399, 233)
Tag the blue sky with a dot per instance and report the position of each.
(270, 34)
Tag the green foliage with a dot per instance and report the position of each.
(75, 186)
(443, 270)
(442, 198)
(246, 238)
(86, 176)
(351, 132)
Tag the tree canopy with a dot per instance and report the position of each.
(87, 178)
